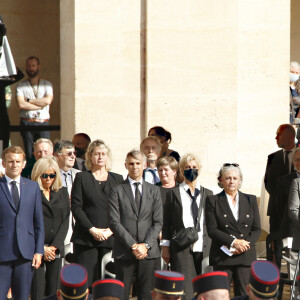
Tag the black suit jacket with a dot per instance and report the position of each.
(173, 221)
(129, 226)
(56, 218)
(222, 228)
(274, 170)
(90, 207)
(282, 197)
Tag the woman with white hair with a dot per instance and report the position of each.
(233, 224)
(184, 216)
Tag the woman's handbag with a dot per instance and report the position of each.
(184, 238)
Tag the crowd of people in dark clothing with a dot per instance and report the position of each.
(157, 217)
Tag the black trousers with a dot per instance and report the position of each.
(190, 265)
(45, 279)
(240, 276)
(144, 274)
(29, 137)
(90, 258)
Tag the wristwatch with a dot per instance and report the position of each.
(27, 99)
(147, 246)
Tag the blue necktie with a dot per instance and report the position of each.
(156, 179)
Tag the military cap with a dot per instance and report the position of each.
(264, 279)
(73, 282)
(168, 283)
(210, 281)
(108, 288)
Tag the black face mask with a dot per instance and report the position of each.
(79, 151)
(191, 174)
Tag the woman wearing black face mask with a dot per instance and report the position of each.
(184, 212)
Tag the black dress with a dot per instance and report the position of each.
(89, 199)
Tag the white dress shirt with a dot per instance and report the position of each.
(131, 181)
(187, 215)
(9, 180)
(67, 180)
(235, 208)
(149, 176)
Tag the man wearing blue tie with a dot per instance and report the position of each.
(21, 226)
(151, 147)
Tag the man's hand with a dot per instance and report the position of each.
(140, 251)
(37, 260)
(165, 254)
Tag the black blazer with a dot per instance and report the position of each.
(222, 228)
(173, 221)
(89, 204)
(274, 170)
(56, 218)
(282, 197)
(129, 226)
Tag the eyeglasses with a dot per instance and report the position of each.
(230, 164)
(45, 176)
(69, 153)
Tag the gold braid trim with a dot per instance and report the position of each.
(168, 293)
(264, 294)
(73, 297)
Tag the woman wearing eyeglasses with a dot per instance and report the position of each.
(233, 224)
(92, 236)
(56, 211)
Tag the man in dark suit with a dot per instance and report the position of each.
(279, 164)
(136, 220)
(283, 187)
(64, 153)
(287, 228)
(21, 226)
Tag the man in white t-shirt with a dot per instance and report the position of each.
(34, 97)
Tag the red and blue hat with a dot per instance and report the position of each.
(264, 279)
(168, 283)
(73, 282)
(210, 281)
(108, 288)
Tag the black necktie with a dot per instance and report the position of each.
(15, 194)
(137, 196)
(194, 205)
(286, 162)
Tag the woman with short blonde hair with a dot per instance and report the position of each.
(92, 237)
(56, 212)
(45, 164)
